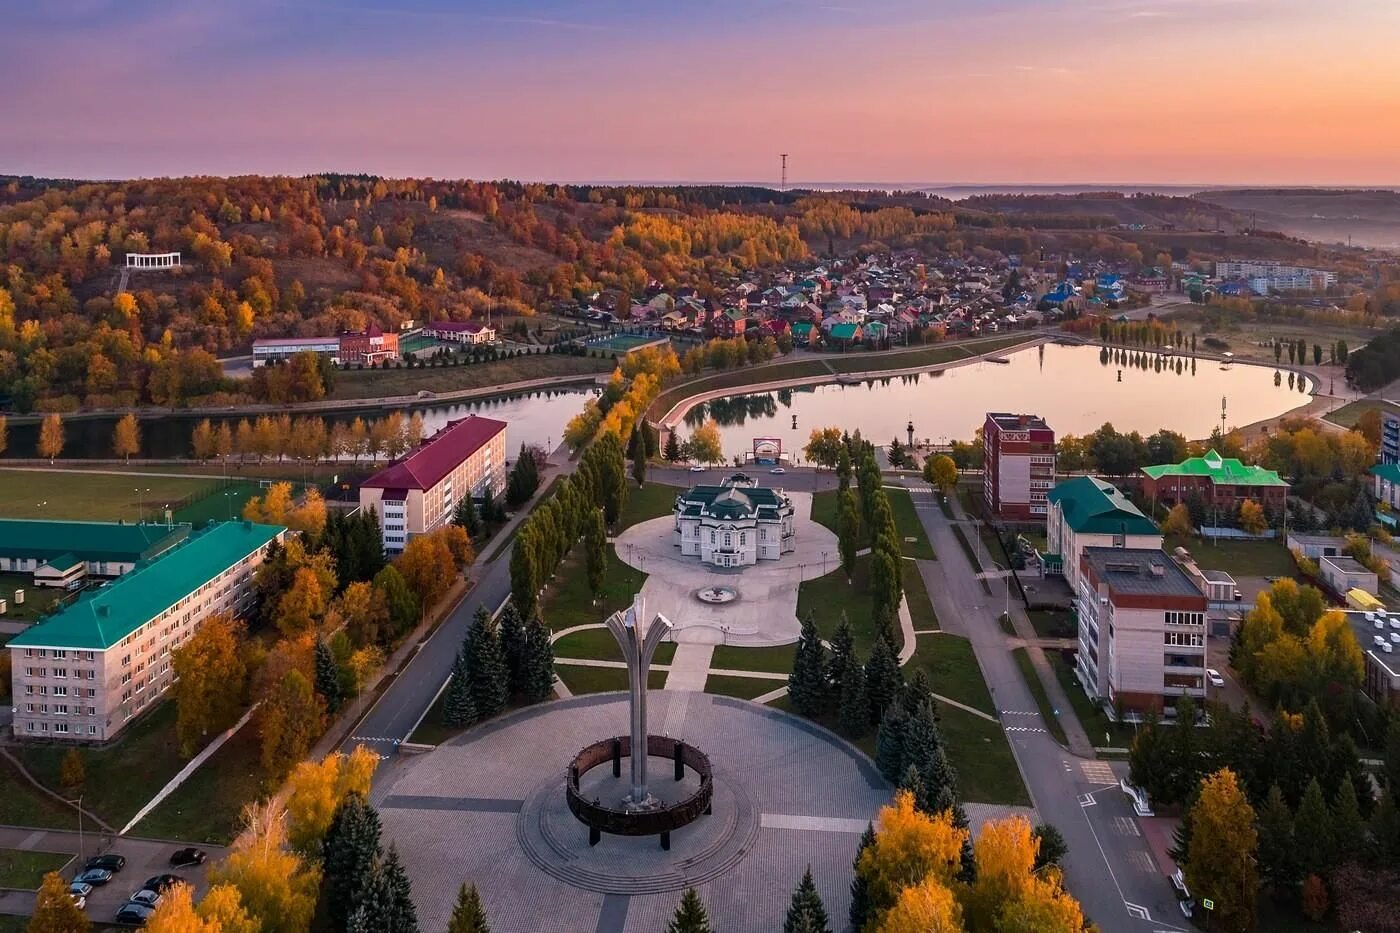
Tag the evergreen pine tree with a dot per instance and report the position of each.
(673, 448)
(911, 781)
(350, 851)
(468, 916)
(854, 711)
(843, 653)
(487, 672)
(940, 782)
(360, 921)
(860, 887)
(889, 742)
(1278, 860)
(465, 516)
(807, 684)
(690, 916)
(637, 452)
(1313, 825)
(401, 915)
(376, 907)
(512, 646)
(458, 711)
(327, 677)
(595, 550)
(806, 914)
(883, 680)
(1385, 828)
(537, 674)
(1348, 828)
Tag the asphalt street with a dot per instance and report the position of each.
(1110, 867)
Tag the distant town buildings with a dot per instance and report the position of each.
(1265, 277)
(83, 673)
(277, 349)
(1221, 483)
(1142, 630)
(419, 492)
(371, 345)
(1086, 512)
(467, 333)
(1018, 466)
(64, 554)
(735, 524)
(1390, 433)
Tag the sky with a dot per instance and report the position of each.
(1256, 92)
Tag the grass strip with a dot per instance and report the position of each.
(1042, 700)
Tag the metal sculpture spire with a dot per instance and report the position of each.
(638, 638)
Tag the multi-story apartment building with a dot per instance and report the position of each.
(1390, 432)
(420, 491)
(1018, 465)
(1142, 629)
(85, 672)
(63, 553)
(1087, 512)
(1265, 276)
(1221, 483)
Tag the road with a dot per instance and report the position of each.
(1110, 868)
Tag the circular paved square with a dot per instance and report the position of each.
(488, 808)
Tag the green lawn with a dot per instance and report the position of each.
(22, 804)
(768, 660)
(987, 771)
(568, 602)
(377, 383)
(598, 644)
(1042, 700)
(1052, 623)
(206, 807)
(921, 609)
(581, 679)
(221, 504)
(88, 496)
(13, 923)
(38, 600)
(121, 777)
(951, 667)
(1097, 725)
(906, 521)
(827, 597)
(651, 501)
(1237, 558)
(25, 870)
(745, 688)
(1349, 414)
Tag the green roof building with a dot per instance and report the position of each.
(107, 549)
(734, 524)
(109, 652)
(1087, 512)
(1220, 482)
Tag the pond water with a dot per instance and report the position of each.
(1075, 388)
(535, 417)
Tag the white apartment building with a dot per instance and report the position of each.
(85, 672)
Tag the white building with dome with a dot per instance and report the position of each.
(735, 524)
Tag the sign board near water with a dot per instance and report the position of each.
(767, 451)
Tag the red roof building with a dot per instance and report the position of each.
(420, 491)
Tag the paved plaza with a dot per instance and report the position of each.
(488, 807)
(765, 613)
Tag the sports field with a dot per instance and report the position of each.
(92, 496)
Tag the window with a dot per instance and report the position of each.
(60, 672)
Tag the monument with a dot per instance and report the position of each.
(639, 812)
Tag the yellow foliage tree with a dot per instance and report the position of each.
(290, 719)
(310, 516)
(210, 676)
(275, 887)
(1178, 521)
(303, 604)
(315, 789)
(272, 508)
(428, 567)
(176, 914)
(927, 907)
(1252, 517)
(1220, 858)
(223, 905)
(51, 437)
(705, 443)
(126, 437)
(910, 846)
(54, 910)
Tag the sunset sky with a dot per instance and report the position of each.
(936, 91)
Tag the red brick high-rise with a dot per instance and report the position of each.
(1018, 465)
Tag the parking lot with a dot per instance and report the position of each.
(145, 858)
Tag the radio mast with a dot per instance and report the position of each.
(782, 185)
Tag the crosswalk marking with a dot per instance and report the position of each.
(1126, 826)
(1098, 772)
(1023, 729)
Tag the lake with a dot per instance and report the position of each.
(535, 417)
(1075, 388)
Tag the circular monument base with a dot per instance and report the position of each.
(558, 844)
(717, 595)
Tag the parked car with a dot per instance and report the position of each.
(162, 883)
(80, 889)
(79, 900)
(133, 915)
(777, 470)
(146, 897)
(111, 861)
(1215, 679)
(94, 876)
(190, 856)
(697, 468)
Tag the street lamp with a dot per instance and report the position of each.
(81, 854)
(824, 553)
